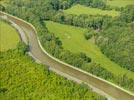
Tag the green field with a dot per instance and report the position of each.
(8, 37)
(4, 2)
(120, 3)
(73, 40)
(80, 9)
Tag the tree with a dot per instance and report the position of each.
(58, 41)
(22, 47)
(64, 5)
(2, 8)
(55, 4)
(98, 3)
(127, 14)
(85, 57)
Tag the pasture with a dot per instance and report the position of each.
(80, 9)
(73, 39)
(8, 36)
(4, 2)
(120, 3)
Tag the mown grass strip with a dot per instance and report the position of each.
(8, 36)
(120, 3)
(80, 9)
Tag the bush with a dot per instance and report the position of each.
(85, 57)
(88, 35)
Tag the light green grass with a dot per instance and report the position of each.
(8, 36)
(4, 2)
(120, 3)
(80, 9)
(73, 40)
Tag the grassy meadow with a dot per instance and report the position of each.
(120, 3)
(73, 39)
(8, 36)
(4, 2)
(80, 9)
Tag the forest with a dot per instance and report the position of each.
(113, 35)
(22, 78)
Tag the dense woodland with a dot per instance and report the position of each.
(118, 39)
(25, 79)
(115, 36)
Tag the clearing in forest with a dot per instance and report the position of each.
(80, 9)
(120, 3)
(73, 39)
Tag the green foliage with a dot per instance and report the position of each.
(121, 80)
(124, 81)
(22, 48)
(96, 22)
(71, 58)
(127, 14)
(73, 39)
(117, 39)
(88, 35)
(50, 10)
(3, 90)
(117, 43)
(85, 57)
(98, 3)
(92, 3)
(22, 78)
(97, 70)
(2, 8)
(54, 47)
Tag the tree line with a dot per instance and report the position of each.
(117, 38)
